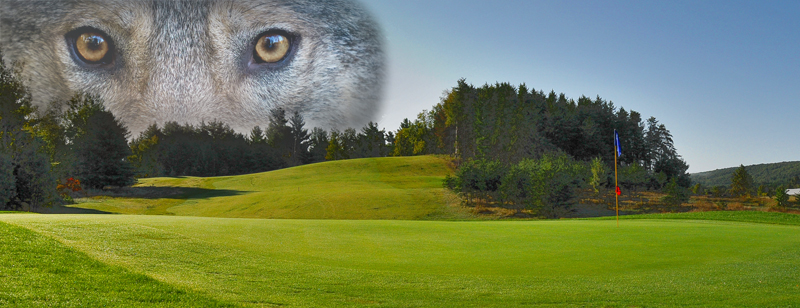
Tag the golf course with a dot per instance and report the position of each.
(381, 232)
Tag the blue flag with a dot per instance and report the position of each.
(616, 143)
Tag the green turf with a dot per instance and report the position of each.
(740, 216)
(371, 188)
(37, 271)
(385, 263)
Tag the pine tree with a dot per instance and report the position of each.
(741, 182)
(318, 145)
(299, 139)
(257, 136)
(781, 197)
(100, 146)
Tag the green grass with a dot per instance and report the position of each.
(372, 188)
(740, 216)
(37, 271)
(389, 263)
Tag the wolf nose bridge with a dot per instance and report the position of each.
(181, 83)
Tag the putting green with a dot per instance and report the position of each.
(308, 263)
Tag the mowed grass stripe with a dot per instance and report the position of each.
(37, 271)
(370, 188)
(325, 263)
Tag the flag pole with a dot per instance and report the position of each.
(616, 179)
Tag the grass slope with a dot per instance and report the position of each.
(372, 188)
(385, 263)
(37, 271)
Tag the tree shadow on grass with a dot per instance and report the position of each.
(60, 209)
(159, 192)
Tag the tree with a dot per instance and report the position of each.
(372, 141)
(318, 145)
(781, 197)
(279, 134)
(336, 148)
(741, 182)
(7, 180)
(26, 179)
(299, 139)
(697, 189)
(676, 194)
(257, 136)
(598, 173)
(145, 153)
(101, 149)
(544, 185)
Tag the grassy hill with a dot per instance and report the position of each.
(371, 188)
(200, 261)
(776, 173)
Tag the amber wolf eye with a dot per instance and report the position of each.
(91, 46)
(271, 47)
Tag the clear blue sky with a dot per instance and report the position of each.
(723, 76)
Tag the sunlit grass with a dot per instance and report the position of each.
(37, 271)
(372, 188)
(385, 263)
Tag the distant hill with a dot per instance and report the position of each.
(775, 173)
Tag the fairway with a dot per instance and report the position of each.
(369, 188)
(385, 263)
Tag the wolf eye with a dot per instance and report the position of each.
(91, 46)
(271, 48)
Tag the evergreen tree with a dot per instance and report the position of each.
(101, 147)
(257, 136)
(279, 134)
(300, 140)
(676, 195)
(318, 145)
(372, 141)
(781, 197)
(741, 182)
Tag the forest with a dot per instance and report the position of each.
(512, 146)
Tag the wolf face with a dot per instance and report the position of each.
(152, 61)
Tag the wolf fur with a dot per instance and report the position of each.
(187, 61)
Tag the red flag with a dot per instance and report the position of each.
(619, 192)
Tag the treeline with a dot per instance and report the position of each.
(213, 149)
(508, 124)
(523, 148)
(42, 155)
(514, 147)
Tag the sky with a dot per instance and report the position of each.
(723, 76)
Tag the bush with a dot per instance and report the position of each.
(478, 180)
(676, 195)
(781, 198)
(544, 186)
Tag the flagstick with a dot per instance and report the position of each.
(616, 181)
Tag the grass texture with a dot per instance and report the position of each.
(388, 263)
(371, 188)
(37, 271)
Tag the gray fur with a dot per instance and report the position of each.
(182, 60)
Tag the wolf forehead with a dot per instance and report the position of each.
(191, 61)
